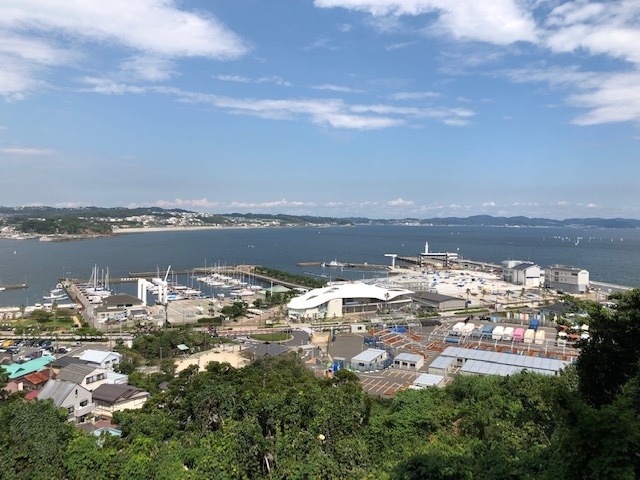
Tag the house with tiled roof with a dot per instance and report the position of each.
(113, 398)
(74, 398)
(36, 380)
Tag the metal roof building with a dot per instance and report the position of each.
(408, 361)
(484, 362)
(370, 359)
(428, 380)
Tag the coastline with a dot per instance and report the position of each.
(120, 231)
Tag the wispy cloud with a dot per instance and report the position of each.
(242, 79)
(413, 95)
(27, 152)
(148, 68)
(334, 113)
(336, 88)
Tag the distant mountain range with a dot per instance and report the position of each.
(477, 220)
(84, 219)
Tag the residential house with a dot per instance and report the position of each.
(88, 376)
(21, 368)
(71, 396)
(101, 358)
(115, 398)
(36, 380)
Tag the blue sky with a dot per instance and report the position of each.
(376, 108)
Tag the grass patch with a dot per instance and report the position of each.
(272, 337)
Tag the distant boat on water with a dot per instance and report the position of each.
(333, 263)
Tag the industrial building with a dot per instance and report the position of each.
(465, 361)
(566, 279)
(526, 274)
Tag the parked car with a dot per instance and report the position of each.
(62, 350)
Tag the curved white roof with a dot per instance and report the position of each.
(319, 296)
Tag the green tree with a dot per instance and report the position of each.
(611, 357)
(33, 440)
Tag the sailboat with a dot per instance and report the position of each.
(98, 289)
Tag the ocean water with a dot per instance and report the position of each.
(610, 255)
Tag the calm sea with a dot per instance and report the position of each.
(609, 255)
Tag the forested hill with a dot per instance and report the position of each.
(100, 220)
(274, 420)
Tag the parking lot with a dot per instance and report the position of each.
(386, 383)
(32, 348)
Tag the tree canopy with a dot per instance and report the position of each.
(274, 419)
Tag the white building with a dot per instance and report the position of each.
(427, 380)
(339, 299)
(526, 274)
(408, 361)
(369, 360)
(87, 376)
(70, 396)
(101, 358)
(568, 279)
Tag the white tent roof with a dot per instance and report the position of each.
(319, 296)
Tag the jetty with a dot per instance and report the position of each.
(14, 286)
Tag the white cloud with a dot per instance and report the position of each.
(242, 79)
(153, 26)
(27, 152)
(399, 202)
(270, 204)
(153, 69)
(327, 112)
(499, 21)
(336, 88)
(414, 95)
(607, 97)
(489, 204)
(110, 87)
(609, 28)
(37, 35)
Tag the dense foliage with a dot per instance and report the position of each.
(275, 420)
(301, 280)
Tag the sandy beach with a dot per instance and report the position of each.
(119, 231)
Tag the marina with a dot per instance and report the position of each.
(30, 268)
